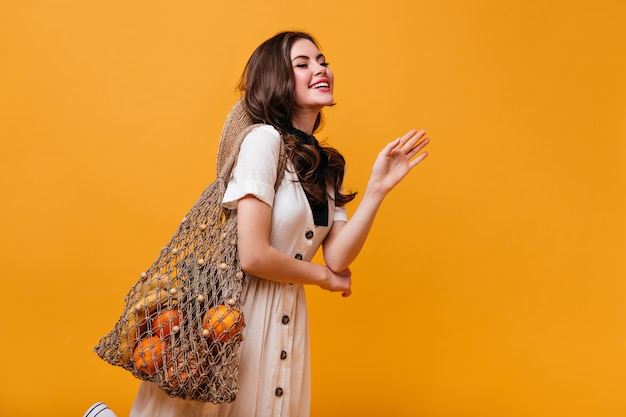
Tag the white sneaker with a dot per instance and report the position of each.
(99, 410)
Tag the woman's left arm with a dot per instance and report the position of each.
(394, 162)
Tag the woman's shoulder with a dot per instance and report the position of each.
(262, 136)
(261, 139)
(264, 130)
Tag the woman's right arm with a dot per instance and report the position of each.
(260, 259)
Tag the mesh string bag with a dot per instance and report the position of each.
(181, 326)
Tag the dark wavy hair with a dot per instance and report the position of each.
(269, 93)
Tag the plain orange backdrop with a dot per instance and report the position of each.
(492, 284)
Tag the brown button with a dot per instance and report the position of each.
(283, 355)
(285, 319)
(298, 256)
(309, 234)
(279, 391)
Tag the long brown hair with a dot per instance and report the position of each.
(269, 93)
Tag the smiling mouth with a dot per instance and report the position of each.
(322, 84)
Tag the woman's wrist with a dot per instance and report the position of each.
(324, 276)
(375, 193)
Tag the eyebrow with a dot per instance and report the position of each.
(320, 56)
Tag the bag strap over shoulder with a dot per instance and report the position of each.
(237, 125)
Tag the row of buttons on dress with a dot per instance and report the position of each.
(285, 320)
(309, 235)
(283, 356)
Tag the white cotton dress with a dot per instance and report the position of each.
(274, 375)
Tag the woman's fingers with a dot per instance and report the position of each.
(413, 142)
(411, 138)
(418, 148)
(417, 160)
(410, 144)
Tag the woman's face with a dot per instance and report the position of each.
(313, 78)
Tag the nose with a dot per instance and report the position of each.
(320, 70)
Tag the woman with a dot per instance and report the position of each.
(286, 84)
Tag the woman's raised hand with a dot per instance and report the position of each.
(398, 158)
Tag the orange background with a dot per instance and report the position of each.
(493, 281)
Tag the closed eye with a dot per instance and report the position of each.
(302, 65)
(303, 61)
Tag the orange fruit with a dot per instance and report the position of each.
(148, 355)
(222, 323)
(163, 323)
